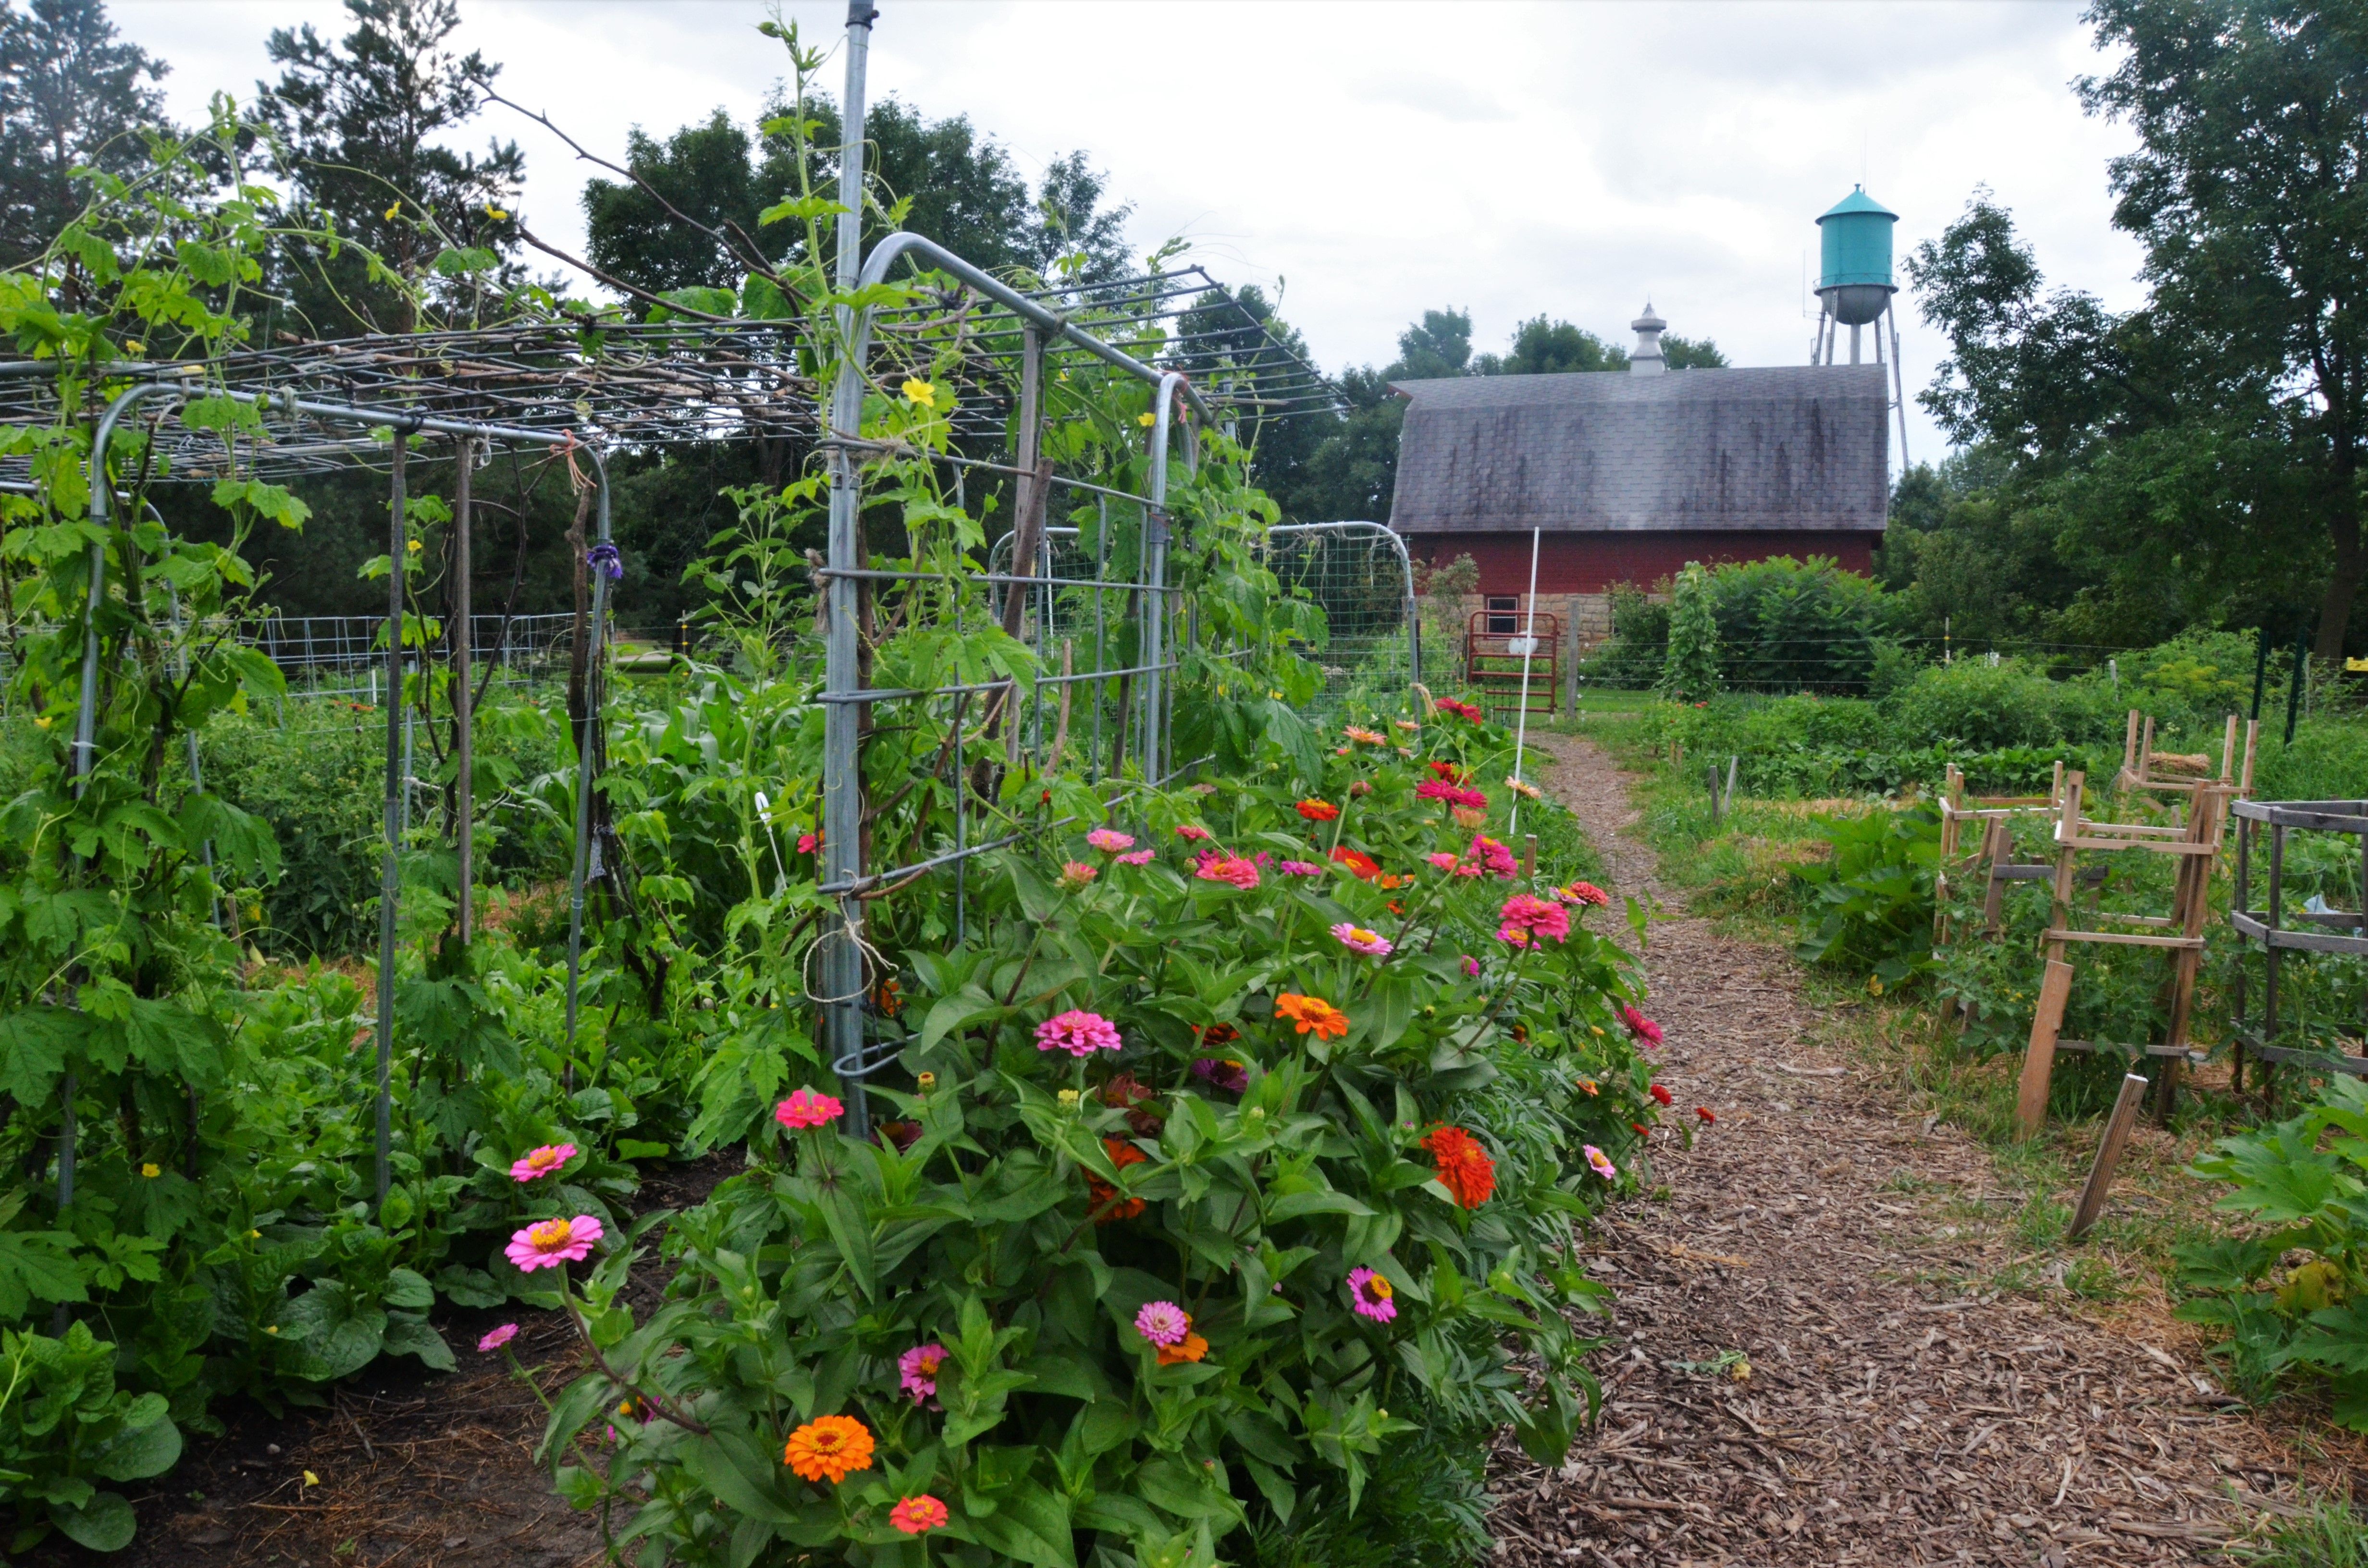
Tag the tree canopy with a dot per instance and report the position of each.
(73, 95)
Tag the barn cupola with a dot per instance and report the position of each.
(1646, 358)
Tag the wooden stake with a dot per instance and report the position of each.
(2039, 1057)
(1529, 857)
(2109, 1155)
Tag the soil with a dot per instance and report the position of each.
(1798, 1370)
(411, 1468)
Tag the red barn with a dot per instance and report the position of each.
(1629, 474)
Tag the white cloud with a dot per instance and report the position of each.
(1384, 159)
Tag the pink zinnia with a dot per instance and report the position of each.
(1357, 939)
(806, 1109)
(547, 1243)
(1216, 865)
(808, 843)
(1640, 1025)
(497, 1338)
(1495, 857)
(1076, 873)
(1443, 861)
(1603, 1163)
(1109, 840)
(1162, 1323)
(1192, 833)
(1533, 917)
(1584, 893)
(1434, 790)
(1077, 1032)
(917, 1369)
(542, 1162)
(1300, 869)
(1372, 1295)
(1138, 857)
(1471, 965)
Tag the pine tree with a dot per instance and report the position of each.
(1691, 673)
(72, 95)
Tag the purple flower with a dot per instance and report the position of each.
(1372, 1295)
(917, 1369)
(604, 559)
(1300, 869)
(1222, 1073)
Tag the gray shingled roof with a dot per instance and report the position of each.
(1799, 446)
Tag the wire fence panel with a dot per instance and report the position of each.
(1358, 575)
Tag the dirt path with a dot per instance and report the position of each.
(1890, 1414)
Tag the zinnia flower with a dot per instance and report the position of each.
(542, 1162)
(1318, 811)
(1461, 710)
(1077, 1032)
(1362, 865)
(1464, 1167)
(829, 1448)
(1192, 832)
(498, 1337)
(1640, 1025)
(919, 1515)
(1496, 858)
(1471, 965)
(1526, 918)
(809, 842)
(1660, 1094)
(1109, 840)
(1138, 857)
(806, 1109)
(1407, 724)
(547, 1243)
(1217, 1034)
(1216, 865)
(917, 1369)
(1523, 787)
(1708, 1117)
(1357, 939)
(902, 1134)
(1311, 1014)
(1075, 874)
(1300, 869)
(1192, 1349)
(1603, 1163)
(1162, 1323)
(1583, 892)
(1107, 1206)
(1441, 859)
(1372, 1295)
(1222, 1073)
(1369, 737)
(1452, 772)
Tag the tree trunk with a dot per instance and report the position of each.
(2343, 580)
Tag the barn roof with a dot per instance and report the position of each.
(1791, 448)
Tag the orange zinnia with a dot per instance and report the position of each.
(1192, 1349)
(1318, 811)
(829, 1448)
(1464, 1167)
(1362, 865)
(1311, 1014)
(1105, 1197)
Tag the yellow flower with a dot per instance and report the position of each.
(152, 1170)
(1875, 986)
(134, 347)
(271, 1328)
(44, 721)
(1068, 1098)
(312, 1480)
(1146, 419)
(496, 212)
(253, 1235)
(414, 546)
(920, 394)
(924, 1082)
(395, 212)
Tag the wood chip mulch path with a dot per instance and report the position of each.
(1886, 1417)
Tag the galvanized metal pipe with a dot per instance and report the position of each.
(587, 757)
(390, 869)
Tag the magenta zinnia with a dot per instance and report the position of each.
(495, 1338)
(542, 1162)
(1162, 1323)
(547, 1243)
(1300, 869)
(1216, 865)
(1372, 1295)
(1109, 840)
(1077, 1032)
(806, 1108)
(1357, 939)
(1640, 1025)
(917, 1369)
(1525, 919)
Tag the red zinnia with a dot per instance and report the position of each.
(1363, 867)
(1660, 1094)
(1464, 1167)
(1704, 1112)
(1105, 1197)
(1318, 811)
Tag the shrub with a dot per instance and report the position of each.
(1691, 673)
(1874, 909)
(1177, 1083)
(1983, 706)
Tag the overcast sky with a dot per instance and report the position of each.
(1374, 159)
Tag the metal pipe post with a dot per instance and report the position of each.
(842, 784)
(464, 696)
(2293, 686)
(390, 869)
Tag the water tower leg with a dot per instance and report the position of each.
(1854, 332)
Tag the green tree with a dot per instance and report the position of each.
(2252, 125)
(1691, 353)
(1691, 673)
(364, 121)
(1542, 347)
(72, 95)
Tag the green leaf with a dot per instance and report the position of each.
(103, 1524)
(135, 1456)
(409, 1336)
(728, 1465)
(1031, 1525)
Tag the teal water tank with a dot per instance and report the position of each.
(1854, 257)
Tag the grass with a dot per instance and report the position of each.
(2330, 1534)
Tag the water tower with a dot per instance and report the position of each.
(1855, 289)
